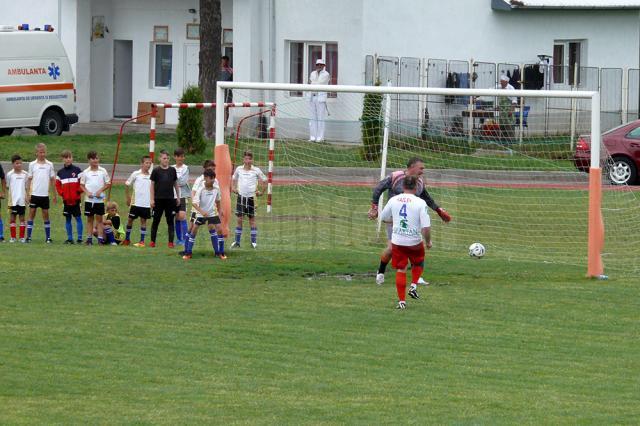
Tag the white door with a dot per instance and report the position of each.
(122, 78)
(191, 64)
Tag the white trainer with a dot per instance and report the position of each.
(379, 278)
(254, 245)
(421, 281)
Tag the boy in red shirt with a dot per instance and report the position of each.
(68, 187)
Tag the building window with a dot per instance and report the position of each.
(574, 59)
(162, 65)
(558, 63)
(227, 44)
(566, 55)
(302, 60)
(227, 36)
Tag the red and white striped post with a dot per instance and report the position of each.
(152, 132)
(272, 146)
(201, 105)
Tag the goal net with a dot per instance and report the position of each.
(510, 167)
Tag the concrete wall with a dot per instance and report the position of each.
(326, 21)
(134, 20)
(464, 29)
(36, 13)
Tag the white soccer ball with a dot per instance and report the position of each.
(476, 250)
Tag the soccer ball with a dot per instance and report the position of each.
(476, 250)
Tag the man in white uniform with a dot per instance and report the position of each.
(506, 108)
(318, 102)
(411, 224)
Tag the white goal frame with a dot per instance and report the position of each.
(595, 267)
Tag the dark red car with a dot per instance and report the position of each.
(622, 143)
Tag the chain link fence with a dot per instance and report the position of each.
(620, 102)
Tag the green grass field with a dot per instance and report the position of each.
(296, 334)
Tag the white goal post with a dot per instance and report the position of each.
(595, 220)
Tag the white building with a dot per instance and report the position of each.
(129, 51)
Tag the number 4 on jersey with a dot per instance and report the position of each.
(403, 213)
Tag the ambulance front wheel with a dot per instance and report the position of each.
(51, 123)
(6, 131)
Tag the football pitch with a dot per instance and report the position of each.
(295, 333)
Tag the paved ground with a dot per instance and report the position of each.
(345, 176)
(105, 128)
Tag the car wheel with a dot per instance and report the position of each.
(51, 123)
(621, 171)
(6, 131)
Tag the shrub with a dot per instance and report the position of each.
(372, 126)
(190, 129)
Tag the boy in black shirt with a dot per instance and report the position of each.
(164, 190)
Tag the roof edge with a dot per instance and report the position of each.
(509, 5)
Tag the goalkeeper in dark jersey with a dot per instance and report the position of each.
(393, 183)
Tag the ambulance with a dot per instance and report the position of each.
(37, 89)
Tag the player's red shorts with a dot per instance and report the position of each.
(402, 255)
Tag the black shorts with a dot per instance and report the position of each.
(140, 212)
(91, 209)
(39, 202)
(214, 220)
(183, 205)
(72, 210)
(245, 206)
(17, 210)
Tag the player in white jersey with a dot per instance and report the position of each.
(411, 223)
(248, 181)
(41, 178)
(182, 171)
(208, 165)
(94, 181)
(139, 201)
(206, 204)
(3, 190)
(16, 197)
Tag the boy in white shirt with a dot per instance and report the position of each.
(248, 181)
(206, 204)
(16, 197)
(3, 190)
(182, 170)
(94, 181)
(411, 223)
(140, 201)
(41, 178)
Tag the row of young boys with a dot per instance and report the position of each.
(31, 187)
(163, 191)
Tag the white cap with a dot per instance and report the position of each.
(504, 78)
(320, 62)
